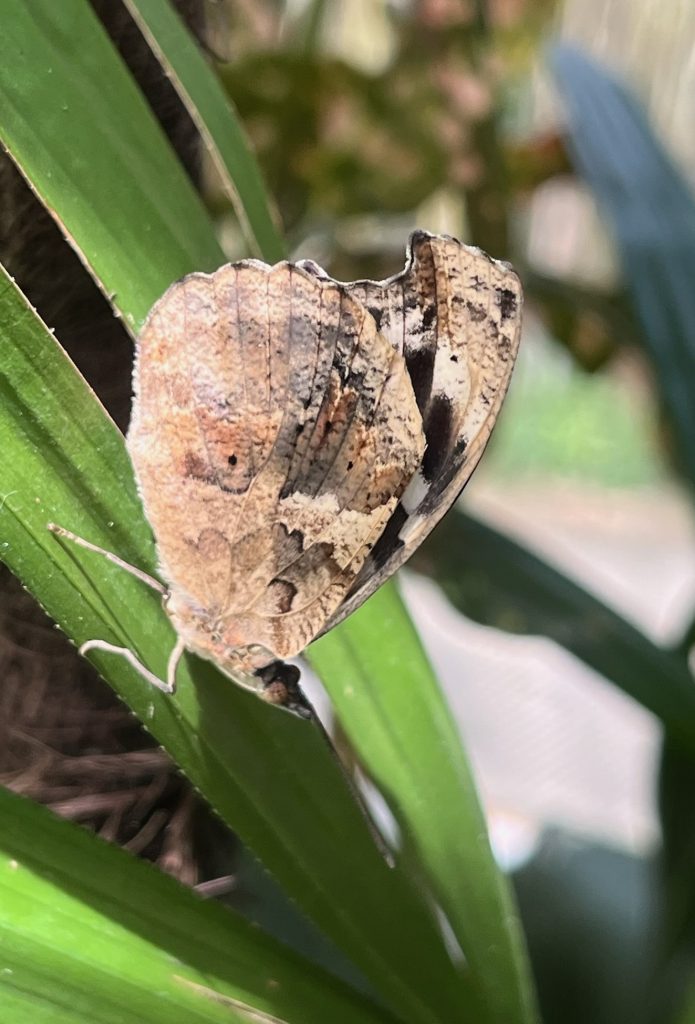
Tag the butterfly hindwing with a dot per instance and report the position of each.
(274, 432)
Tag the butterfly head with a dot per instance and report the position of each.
(250, 665)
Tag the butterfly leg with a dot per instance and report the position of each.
(173, 663)
(103, 645)
(144, 577)
(133, 661)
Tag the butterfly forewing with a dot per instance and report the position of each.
(455, 314)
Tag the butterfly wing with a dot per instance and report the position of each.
(274, 431)
(455, 315)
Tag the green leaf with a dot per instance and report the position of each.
(81, 132)
(496, 581)
(652, 213)
(270, 775)
(686, 1011)
(90, 934)
(590, 914)
(399, 724)
(216, 120)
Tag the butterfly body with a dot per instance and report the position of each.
(294, 438)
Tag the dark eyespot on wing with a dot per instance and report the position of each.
(450, 469)
(507, 302)
(420, 363)
(282, 594)
(197, 468)
(438, 432)
(388, 543)
(377, 315)
(477, 311)
(429, 314)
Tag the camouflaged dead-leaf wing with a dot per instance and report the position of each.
(455, 314)
(274, 431)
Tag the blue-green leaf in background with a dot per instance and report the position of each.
(651, 212)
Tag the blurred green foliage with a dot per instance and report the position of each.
(437, 133)
(565, 424)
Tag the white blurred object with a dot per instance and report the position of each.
(360, 33)
(443, 213)
(581, 251)
(551, 742)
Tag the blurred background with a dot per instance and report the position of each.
(557, 135)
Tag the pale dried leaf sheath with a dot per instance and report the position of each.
(274, 431)
(456, 316)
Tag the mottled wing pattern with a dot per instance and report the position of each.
(274, 431)
(455, 314)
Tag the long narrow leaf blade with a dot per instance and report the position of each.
(404, 734)
(652, 212)
(81, 132)
(215, 119)
(89, 934)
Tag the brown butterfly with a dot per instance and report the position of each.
(295, 439)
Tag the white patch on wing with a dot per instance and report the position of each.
(411, 528)
(414, 492)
